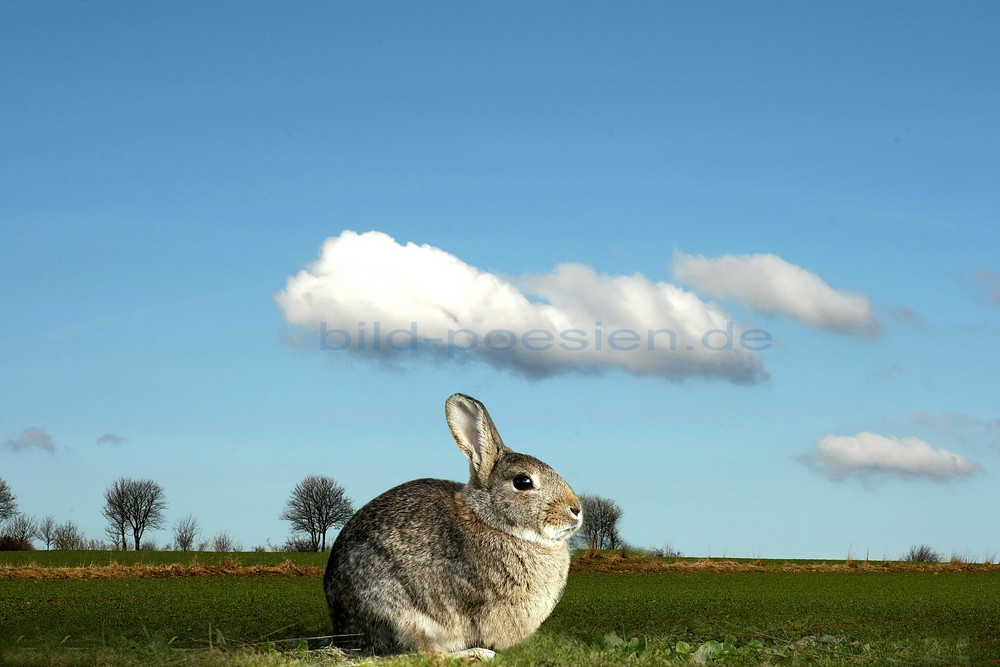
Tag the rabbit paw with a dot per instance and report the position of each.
(474, 653)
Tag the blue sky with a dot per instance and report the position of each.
(824, 173)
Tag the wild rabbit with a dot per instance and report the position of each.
(441, 567)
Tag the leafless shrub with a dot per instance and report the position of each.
(68, 536)
(296, 545)
(666, 551)
(922, 554)
(8, 543)
(185, 531)
(225, 542)
(20, 528)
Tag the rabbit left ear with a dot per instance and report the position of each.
(476, 436)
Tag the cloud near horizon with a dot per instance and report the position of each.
(31, 438)
(874, 457)
(768, 284)
(111, 439)
(369, 295)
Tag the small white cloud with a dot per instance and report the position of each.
(369, 295)
(111, 439)
(31, 438)
(872, 457)
(768, 284)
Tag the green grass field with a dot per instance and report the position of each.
(909, 616)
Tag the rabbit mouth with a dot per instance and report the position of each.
(558, 533)
(547, 535)
(565, 532)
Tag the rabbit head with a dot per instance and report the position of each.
(511, 492)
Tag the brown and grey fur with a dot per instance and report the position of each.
(442, 567)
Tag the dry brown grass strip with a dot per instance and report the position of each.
(604, 562)
(140, 571)
(618, 563)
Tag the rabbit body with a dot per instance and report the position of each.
(438, 566)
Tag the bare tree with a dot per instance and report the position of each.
(317, 504)
(8, 507)
(47, 531)
(116, 533)
(185, 531)
(600, 522)
(116, 503)
(135, 504)
(21, 527)
(69, 536)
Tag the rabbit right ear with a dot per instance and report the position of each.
(476, 435)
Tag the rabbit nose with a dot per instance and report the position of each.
(575, 510)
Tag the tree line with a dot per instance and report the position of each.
(316, 505)
(134, 506)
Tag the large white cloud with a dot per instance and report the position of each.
(769, 284)
(871, 456)
(369, 295)
(31, 438)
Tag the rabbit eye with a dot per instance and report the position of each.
(523, 483)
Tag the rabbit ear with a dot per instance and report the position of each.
(476, 435)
